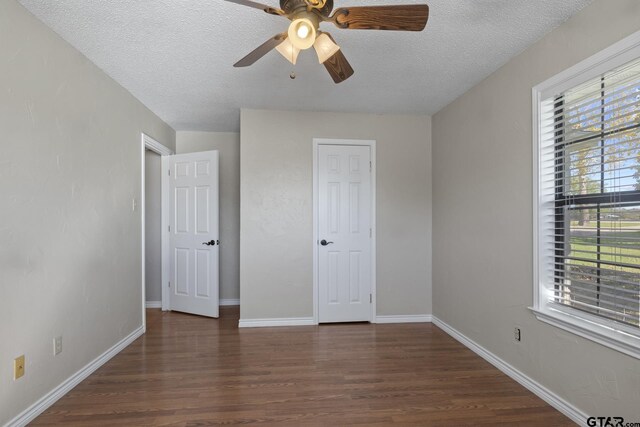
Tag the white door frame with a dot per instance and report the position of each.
(148, 143)
(316, 288)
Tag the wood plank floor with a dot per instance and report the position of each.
(192, 371)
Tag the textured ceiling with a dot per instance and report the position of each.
(176, 56)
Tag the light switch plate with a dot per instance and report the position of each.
(57, 345)
(18, 367)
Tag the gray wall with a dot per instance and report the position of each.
(228, 144)
(70, 250)
(276, 258)
(482, 277)
(153, 225)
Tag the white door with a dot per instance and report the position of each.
(194, 238)
(344, 233)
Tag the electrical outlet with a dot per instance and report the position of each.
(517, 334)
(18, 367)
(57, 345)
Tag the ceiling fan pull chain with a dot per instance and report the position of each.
(292, 75)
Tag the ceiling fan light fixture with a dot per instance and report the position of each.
(306, 16)
(302, 33)
(325, 47)
(289, 51)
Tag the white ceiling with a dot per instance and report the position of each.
(176, 56)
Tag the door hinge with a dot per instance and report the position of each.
(169, 284)
(169, 172)
(169, 227)
(370, 298)
(370, 166)
(371, 233)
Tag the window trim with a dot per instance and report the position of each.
(600, 330)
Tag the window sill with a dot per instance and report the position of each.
(615, 339)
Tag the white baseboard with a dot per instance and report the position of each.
(408, 318)
(52, 397)
(536, 388)
(308, 321)
(265, 323)
(223, 302)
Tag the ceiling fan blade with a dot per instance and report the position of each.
(393, 18)
(261, 51)
(338, 66)
(268, 9)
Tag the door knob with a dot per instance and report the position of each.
(325, 243)
(210, 243)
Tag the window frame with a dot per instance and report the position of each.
(610, 333)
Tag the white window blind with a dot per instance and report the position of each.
(589, 197)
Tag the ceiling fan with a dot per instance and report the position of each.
(304, 30)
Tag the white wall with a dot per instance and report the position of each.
(153, 226)
(70, 250)
(228, 144)
(276, 258)
(482, 277)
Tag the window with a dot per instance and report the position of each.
(587, 238)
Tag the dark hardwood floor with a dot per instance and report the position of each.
(192, 371)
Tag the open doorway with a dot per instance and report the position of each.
(153, 157)
(153, 229)
(180, 230)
